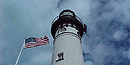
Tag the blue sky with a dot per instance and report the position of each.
(106, 43)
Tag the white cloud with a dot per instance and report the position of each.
(100, 51)
(128, 53)
(88, 63)
(120, 35)
(107, 23)
(40, 59)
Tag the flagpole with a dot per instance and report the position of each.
(20, 52)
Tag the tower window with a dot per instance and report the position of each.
(62, 29)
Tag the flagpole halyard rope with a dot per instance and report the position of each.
(20, 52)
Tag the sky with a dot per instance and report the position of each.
(107, 41)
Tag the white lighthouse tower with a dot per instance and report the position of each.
(67, 30)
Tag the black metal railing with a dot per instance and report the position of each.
(56, 18)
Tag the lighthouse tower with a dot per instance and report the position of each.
(67, 30)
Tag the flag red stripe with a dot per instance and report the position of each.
(29, 45)
(39, 41)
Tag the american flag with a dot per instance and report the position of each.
(34, 42)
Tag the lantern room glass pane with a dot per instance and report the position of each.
(66, 13)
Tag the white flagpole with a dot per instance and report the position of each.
(20, 52)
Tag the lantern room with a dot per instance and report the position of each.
(68, 22)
